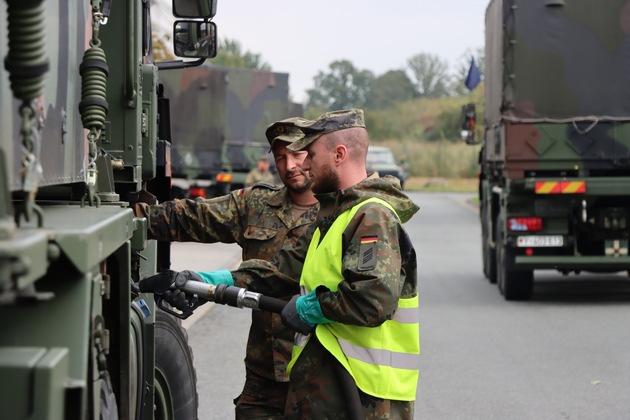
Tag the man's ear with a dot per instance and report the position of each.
(341, 154)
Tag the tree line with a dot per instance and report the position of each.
(421, 101)
(343, 85)
(426, 75)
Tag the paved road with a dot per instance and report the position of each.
(563, 355)
(217, 333)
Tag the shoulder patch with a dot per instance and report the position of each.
(268, 185)
(367, 259)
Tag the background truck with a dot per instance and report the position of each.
(84, 125)
(218, 119)
(555, 161)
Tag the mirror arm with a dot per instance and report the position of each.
(179, 64)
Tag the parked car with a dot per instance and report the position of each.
(381, 159)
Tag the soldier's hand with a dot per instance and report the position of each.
(158, 283)
(161, 282)
(177, 299)
(136, 199)
(167, 285)
(291, 317)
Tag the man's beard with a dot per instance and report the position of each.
(300, 187)
(328, 181)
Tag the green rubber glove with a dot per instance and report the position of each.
(310, 310)
(216, 277)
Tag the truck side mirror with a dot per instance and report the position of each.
(469, 122)
(194, 9)
(195, 39)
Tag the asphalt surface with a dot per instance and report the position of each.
(562, 355)
(217, 333)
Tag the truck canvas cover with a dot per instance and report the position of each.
(555, 60)
(219, 116)
(198, 113)
(59, 122)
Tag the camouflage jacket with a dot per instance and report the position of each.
(260, 220)
(366, 296)
(394, 275)
(255, 176)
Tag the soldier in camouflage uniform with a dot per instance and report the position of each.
(270, 223)
(260, 173)
(358, 279)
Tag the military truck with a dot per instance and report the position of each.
(219, 116)
(84, 127)
(555, 160)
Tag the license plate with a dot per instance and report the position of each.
(533, 241)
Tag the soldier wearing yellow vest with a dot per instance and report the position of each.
(358, 308)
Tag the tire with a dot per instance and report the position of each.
(513, 284)
(109, 408)
(489, 261)
(488, 255)
(175, 377)
(518, 285)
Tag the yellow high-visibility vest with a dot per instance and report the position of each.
(383, 360)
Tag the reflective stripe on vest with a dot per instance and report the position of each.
(382, 360)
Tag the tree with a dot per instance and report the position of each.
(389, 88)
(344, 86)
(461, 69)
(431, 75)
(231, 54)
(162, 49)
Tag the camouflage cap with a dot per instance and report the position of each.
(328, 122)
(285, 130)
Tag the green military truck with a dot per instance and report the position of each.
(555, 161)
(218, 119)
(84, 127)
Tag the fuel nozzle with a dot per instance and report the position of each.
(226, 295)
(234, 296)
(164, 284)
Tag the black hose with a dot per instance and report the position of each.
(271, 304)
(350, 391)
(229, 295)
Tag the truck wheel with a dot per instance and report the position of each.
(108, 409)
(513, 284)
(488, 255)
(518, 285)
(489, 262)
(175, 377)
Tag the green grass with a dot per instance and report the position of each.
(441, 184)
(443, 159)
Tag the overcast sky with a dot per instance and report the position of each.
(302, 37)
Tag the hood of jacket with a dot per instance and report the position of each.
(386, 188)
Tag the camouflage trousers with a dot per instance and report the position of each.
(316, 391)
(261, 398)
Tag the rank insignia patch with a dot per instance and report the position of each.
(367, 259)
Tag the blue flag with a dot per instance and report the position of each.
(473, 78)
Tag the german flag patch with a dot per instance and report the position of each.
(367, 259)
